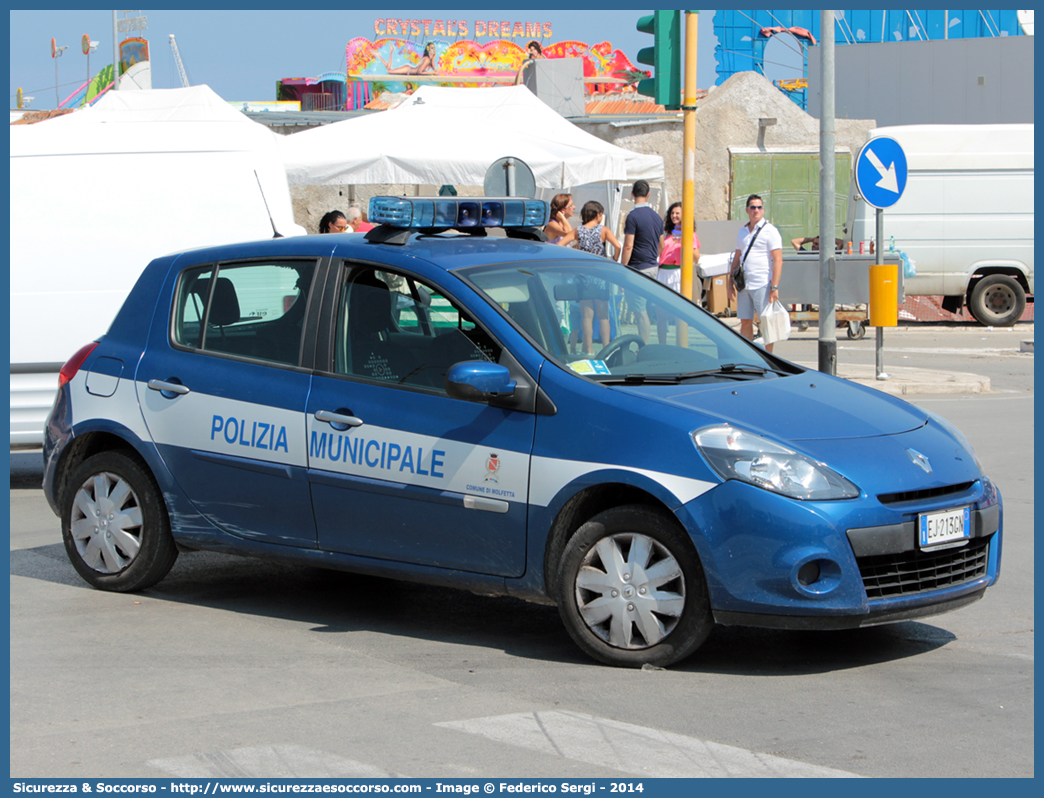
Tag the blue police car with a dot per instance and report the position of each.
(431, 402)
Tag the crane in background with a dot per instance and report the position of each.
(177, 60)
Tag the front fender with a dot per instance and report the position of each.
(555, 483)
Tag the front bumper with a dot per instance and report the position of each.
(775, 562)
(831, 622)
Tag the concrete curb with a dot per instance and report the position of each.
(903, 381)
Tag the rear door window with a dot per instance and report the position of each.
(249, 310)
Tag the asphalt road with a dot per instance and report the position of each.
(241, 668)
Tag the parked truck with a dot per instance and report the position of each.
(965, 218)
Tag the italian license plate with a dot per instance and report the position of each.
(949, 526)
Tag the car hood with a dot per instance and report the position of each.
(811, 406)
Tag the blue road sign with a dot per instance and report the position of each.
(880, 172)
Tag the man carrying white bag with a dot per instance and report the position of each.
(757, 266)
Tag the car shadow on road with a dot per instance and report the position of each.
(335, 602)
(777, 652)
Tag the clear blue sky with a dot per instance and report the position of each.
(241, 54)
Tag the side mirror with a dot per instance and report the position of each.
(479, 381)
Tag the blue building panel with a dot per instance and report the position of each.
(741, 44)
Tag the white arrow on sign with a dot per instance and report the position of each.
(888, 180)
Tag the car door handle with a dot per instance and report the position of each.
(337, 418)
(168, 387)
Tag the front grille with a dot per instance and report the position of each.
(890, 575)
(921, 495)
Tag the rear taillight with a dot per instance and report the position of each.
(73, 364)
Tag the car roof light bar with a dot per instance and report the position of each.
(516, 215)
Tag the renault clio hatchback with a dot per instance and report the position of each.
(416, 403)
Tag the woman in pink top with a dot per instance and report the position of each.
(670, 263)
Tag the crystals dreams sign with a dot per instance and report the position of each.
(501, 29)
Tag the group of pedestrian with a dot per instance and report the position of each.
(338, 222)
(651, 246)
(591, 236)
(654, 248)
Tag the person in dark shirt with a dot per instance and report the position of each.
(643, 242)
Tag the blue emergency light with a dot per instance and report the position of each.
(458, 213)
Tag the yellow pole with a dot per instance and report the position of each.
(689, 165)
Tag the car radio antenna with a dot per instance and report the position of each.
(271, 221)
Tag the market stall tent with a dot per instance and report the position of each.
(452, 135)
(193, 104)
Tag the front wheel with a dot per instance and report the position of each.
(997, 301)
(631, 590)
(115, 525)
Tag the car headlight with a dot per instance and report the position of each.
(737, 454)
(961, 439)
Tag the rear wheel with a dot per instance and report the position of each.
(997, 301)
(115, 525)
(631, 590)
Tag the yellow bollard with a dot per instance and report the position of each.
(884, 295)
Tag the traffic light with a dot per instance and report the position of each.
(664, 57)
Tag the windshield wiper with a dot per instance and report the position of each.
(739, 368)
(730, 370)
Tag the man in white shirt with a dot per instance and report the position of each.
(759, 252)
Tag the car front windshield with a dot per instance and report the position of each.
(613, 324)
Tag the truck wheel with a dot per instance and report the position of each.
(631, 590)
(115, 524)
(997, 301)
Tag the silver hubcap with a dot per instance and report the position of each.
(106, 523)
(630, 591)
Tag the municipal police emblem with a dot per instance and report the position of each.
(492, 468)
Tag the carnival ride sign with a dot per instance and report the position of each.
(504, 29)
(396, 62)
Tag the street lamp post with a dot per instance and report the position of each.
(827, 187)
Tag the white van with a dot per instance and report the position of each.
(93, 201)
(965, 218)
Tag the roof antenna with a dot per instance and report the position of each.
(270, 220)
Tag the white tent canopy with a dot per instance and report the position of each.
(194, 104)
(164, 127)
(451, 136)
(97, 194)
